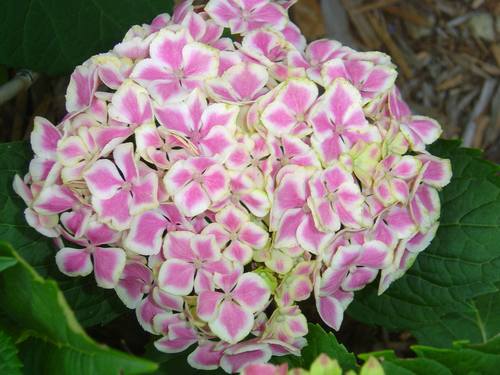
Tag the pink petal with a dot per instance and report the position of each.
(81, 87)
(54, 199)
(103, 179)
(200, 61)
(146, 232)
(178, 245)
(123, 156)
(44, 138)
(235, 358)
(74, 262)
(232, 323)
(208, 302)
(131, 104)
(192, 199)
(253, 235)
(205, 357)
(251, 292)
(167, 48)
(115, 210)
(177, 277)
(216, 182)
(133, 281)
(108, 266)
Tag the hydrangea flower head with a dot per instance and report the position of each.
(216, 184)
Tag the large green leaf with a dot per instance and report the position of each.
(56, 342)
(92, 305)
(318, 342)
(9, 362)
(461, 359)
(449, 292)
(53, 36)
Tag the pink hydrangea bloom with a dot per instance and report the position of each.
(217, 184)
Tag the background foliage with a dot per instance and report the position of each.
(53, 36)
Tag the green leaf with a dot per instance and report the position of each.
(456, 276)
(92, 305)
(6, 262)
(463, 358)
(9, 362)
(56, 343)
(318, 342)
(53, 36)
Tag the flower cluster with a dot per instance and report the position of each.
(217, 183)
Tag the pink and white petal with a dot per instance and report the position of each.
(331, 308)
(298, 95)
(74, 262)
(135, 277)
(167, 47)
(427, 129)
(231, 218)
(437, 172)
(286, 233)
(81, 88)
(203, 281)
(145, 313)
(218, 142)
(192, 199)
(251, 292)
(103, 179)
(44, 138)
(146, 232)
(71, 150)
(217, 230)
(407, 167)
(247, 80)
(115, 210)
(278, 119)
(375, 254)
(310, 238)
(177, 177)
(236, 358)
(222, 11)
(178, 245)
(22, 190)
(205, 357)
(253, 235)
(345, 256)
(238, 252)
(167, 300)
(232, 322)
(257, 202)
(131, 104)
(332, 70)
(100, 234)
(200, 61)
(344, 103)
(400, 222)
(267, 14)
(359, 278)
(177, 277)
(205, 247)
(216, 182)
(162, 322)
(145, 193)
(54, 199)
(108, 266)
(124, 158)
(207, 304)
(167, 345)
(421, 241)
